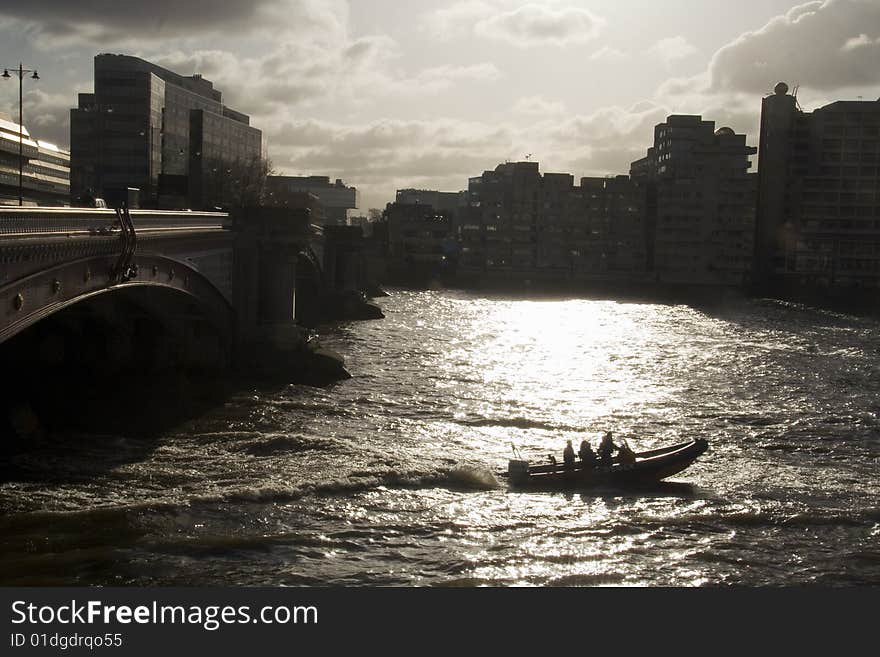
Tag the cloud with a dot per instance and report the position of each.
(608, 140)
(861, 41)
(382, 156)
(534, 24)
(822, 45)
(55, 23)
(606, 53)
(458, 19)
(538, 106)
(672, 49)
(439, 78)
(530, 24)
(299, 75)
(46, 115)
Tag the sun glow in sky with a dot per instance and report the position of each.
(386, 94)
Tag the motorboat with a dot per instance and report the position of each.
(645, 468)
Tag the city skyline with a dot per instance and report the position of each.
(389, 97)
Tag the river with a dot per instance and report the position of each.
(389, 478)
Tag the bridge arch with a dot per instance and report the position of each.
(27, 301)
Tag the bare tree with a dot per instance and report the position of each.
(239, 183)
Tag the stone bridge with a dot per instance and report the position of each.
(100, 309)
(225, 284)
(51, 259)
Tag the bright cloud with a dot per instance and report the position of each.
(821, 45)
(530, 24)
(672, 49)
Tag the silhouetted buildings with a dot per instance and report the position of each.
(499, 227)
(699, 203)
(168, 135)
(421, 244)
(521, 225)
(448, 202)
(336, 197)
(45, 168)
(819, 194)
(615, 237)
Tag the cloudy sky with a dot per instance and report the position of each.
(426, 93)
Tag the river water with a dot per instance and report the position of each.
(389, 478)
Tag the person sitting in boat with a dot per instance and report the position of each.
(607, 448)
(568, 456)
(588, 456)
(625, 454)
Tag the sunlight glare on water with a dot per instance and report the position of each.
(393, 477)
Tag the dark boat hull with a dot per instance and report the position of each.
(649, 468)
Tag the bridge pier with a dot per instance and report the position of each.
(277, 296)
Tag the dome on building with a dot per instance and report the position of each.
(724, 132)
(781, 89)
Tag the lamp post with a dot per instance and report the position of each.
(20, 72)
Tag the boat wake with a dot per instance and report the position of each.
(470, 477)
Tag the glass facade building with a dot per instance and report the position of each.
(148, 128)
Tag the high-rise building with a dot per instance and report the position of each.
(336, 197)
(500, 227)
(700, 203)
(167, 135)
(45, 168)
(818, 216)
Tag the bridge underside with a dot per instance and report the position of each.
(96, 357)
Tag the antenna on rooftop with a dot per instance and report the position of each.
(795, 93)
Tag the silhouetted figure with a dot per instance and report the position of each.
(588, 456)
(607, 448)
(625, 455)
(568, 456)
(552, 461)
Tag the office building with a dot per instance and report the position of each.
(421, 243)
(699, 203)
(544, 228)
(499, 227)
(336, 197)
(168, 135)
(818, 217)
(45, 168)
(611, 240)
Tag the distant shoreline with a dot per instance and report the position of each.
(860, 302)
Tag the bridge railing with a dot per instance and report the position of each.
(34, 222)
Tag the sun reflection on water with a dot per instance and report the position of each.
(387, 479)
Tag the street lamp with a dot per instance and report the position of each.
(20, 72)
